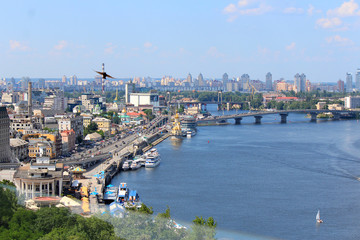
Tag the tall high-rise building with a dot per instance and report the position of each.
(340, 85)
(30, 100)
(63, 80)
(244, 79)
(73, 80)
(24, 83)
(201, 80)
(5, 152)
(349, 86)
(41, 83)
(189, 78)
(129, 88)
(225, 79)
(269, 84)
(299, 82)
(302, 82)
(357, 79)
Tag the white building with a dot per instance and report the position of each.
(352, 102)
(349, 87)
(40, 178)
(140, 99)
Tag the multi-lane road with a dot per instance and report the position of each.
(104, 149)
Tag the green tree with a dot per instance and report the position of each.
(101, 132)
(92, 127)
(166, 214)
(8, 202)
(149, 114)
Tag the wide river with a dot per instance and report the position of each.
(263, 181)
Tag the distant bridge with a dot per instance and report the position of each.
(283, 114)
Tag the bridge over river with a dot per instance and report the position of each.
(283, 114)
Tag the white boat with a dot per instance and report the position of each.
(318, 219)
(135, 165)
(152, 153)
(126, 165)
(190, 133)
(141, 159)
(152, 161)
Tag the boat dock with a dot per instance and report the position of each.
(156, 142)
(97, 178)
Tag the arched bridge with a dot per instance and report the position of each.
(283, 114)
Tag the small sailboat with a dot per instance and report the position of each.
(318, 219)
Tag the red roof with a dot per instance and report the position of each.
(135, 114)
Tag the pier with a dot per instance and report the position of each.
(98, 177)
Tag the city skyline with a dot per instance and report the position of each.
(159, 38)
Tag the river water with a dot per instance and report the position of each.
(261, 181)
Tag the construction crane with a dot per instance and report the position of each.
(252, 91)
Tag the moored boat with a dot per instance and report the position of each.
(123, 193)
(135, 165)
(141, 159)
(126, 165)
(190, 133)
(152, 161)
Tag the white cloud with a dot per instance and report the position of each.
(231, 8)
(242, 8)
(148, 45)
(329, 22)
(214, 52)
(347, 9)
(310, 10)
(339, 40)
(293, 10)
(61, 45)
(291, 46)
(110, 48)
(244, 3)
(16, 45)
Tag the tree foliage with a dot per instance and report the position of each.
(47, 223)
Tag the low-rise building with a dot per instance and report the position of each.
(68, 140)
(320, 105)
(73, 122)
(93, 137)
(41, 178)
(21, 123)
(337, 106)
(19, 148)
(104, 124)
(41, 147)
(86, 119)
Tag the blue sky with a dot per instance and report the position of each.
(157, 38)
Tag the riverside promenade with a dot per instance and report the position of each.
(100, 175)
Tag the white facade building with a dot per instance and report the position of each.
(352, 102)
(139, 99)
